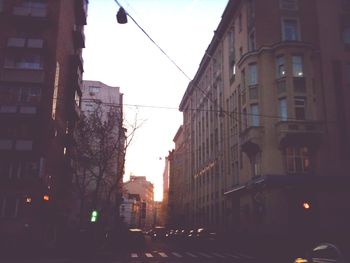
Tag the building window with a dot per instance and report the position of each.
(9, 207)
(300, 108)
(231, 40)
(256, 164)
(297, 65)
(254, 113)
(244, 119)
(283, 109)
(26, 61)
(253, 74)
(280, 67)
(290, 30)
(251, 41)
(288, 4)
(5, 169)
(94, 90)
(240, 22)
(346, 35)
(297, 159)
(35, 3)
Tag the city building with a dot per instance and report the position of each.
(130, 210)
(178, 201)
(165, 200)
(106, 103)
(139, 185)
(41, 69)
(268, 143)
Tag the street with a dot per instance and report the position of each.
(153, 251)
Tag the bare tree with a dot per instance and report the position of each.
(101, 142)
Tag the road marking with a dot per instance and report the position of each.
(244, 255)
(233, 256)
(134, 255)
(218, 255)
(176, 254)
(163, 255)
(204, 255)
(149, 255)
(191, 255)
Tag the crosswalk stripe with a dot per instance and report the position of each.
(191, 255)
(163, 255)
(149, 255)
(134, 255)
(233, 256)
(204, 255)
(218, 255)
(244, 255)
(176, 254)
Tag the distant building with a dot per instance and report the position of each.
(266, 121)
(41, 69)
(97, 95)
(178, 200)
(164, 213)
(130, 210)
(139, 185)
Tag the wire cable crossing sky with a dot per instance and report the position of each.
(118, 55)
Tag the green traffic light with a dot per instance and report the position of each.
(94, 215)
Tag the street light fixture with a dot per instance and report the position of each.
(121, 16)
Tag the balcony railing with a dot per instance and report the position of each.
(25, 11)
(20, 42)
(18, 145)
(22, 75)
(79, 37)
(81, 7)
(299, 131)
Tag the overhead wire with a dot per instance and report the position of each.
(221, 110)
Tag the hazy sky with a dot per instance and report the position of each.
(122, 55)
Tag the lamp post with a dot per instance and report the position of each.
(121, 16)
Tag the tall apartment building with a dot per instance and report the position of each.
(108, 102)
(41, 70)
(139, 185)
(268, 143)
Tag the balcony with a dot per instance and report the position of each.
(79, 37)
(299, 132)
(21, 42)
(22, 75)
(251, 139)
(27, 11)
(81, 7)
(18, 145)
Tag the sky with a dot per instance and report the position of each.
(122, 55)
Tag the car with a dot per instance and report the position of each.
(136, 238)
(158, 232)
(325, 253)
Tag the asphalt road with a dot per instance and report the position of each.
(153, 251)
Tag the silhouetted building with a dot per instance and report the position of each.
(41, 69)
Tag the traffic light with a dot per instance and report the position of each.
(94, 216)
(46, 198)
